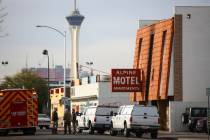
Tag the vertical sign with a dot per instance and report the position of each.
(126, 80)
(208, 113)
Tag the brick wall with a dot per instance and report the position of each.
(155, 67)
(178, 58)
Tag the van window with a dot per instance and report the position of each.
(90, 111)
(120, 110)
(199, 112)
(103, 111)
(127, 111)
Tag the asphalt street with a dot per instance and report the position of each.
(46, 135)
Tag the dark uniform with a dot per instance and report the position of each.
(67, 121)
(55, 121)
(74, 120)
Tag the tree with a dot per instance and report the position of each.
(28, 80)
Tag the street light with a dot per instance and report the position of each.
(45, 52)
(64, 35)
(91, 70)
(4, 63)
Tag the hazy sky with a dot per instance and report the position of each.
(107, 35)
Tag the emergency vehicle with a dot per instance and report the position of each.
(18, 111)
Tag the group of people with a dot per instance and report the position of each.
(68, 118)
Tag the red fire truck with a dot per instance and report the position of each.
(18, 111)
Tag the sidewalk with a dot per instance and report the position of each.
(184, 135)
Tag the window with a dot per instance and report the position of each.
(139, 51)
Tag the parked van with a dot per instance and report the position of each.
(193, 117)
(96, 118)
(137, 119)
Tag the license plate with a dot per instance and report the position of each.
(145, 127)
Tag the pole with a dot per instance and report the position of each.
(208, 118)
(70, 107)
(64, 74)
(48, 84)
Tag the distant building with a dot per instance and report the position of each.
(173, 55)
(56, 95)
(56, 75)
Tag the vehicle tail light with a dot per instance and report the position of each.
(131, 119)
(95, 119)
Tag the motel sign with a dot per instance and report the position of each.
(126, 80)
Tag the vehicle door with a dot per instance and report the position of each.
(147, 116)
(125, 116)
(81, 119)
(18, 114)
(103, 115)
(118, 118)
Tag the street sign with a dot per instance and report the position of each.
(126, 80)
(65, 101)
(208, 91)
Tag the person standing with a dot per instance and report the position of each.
(55, 121)
(67, 121)
(74, 120)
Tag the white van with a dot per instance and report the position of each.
(96, 118)
(136, 118)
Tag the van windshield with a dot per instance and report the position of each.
(199, 112)
(105, 111)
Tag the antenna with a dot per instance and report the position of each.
(52, 60)
(26, 61)
(75, 5)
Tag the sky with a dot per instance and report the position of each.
(107, 35)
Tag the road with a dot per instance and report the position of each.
(46, 135)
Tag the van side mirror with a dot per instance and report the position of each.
(79, 114)
(185, 118)
(111, 113)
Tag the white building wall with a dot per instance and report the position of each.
(102, 92)
(196, 51)
(175, 112)
(86, 90)
(196, 66)
(106, 96)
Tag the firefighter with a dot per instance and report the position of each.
(67, 121)
(74, 120)
(55, 121)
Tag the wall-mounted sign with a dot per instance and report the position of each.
(126, 80)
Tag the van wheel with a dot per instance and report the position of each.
(78, 130)
(139, 134)
(126, 132)
(91, 130)
(4, 133)
(29, 131)
(112, 132)
(101, 132)
(154, 135)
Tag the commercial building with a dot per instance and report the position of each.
(56, 75)
(96, 90)
(173, 55)
(89, 91)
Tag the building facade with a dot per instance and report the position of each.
(96, 91)
(173, 57)
(56, 75)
